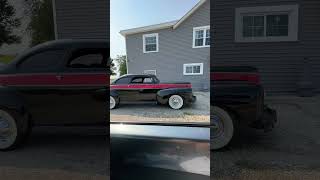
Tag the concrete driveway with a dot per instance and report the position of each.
(197, 112)
(291, 151)
(59, 153)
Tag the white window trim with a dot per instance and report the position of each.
(144, 42)
(192, 64)
(155, 71)
(291, 10)
(204, 35)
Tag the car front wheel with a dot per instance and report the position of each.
(113, 102)
(176, 102)
(11, 130)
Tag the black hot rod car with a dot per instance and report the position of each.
(148, 88)
(57, 83)
(237, 99)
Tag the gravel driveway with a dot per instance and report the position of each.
(197, 112)
(59, 153)
(290, 151)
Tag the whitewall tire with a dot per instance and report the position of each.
(222, 129)
(176, 102)
(113, 102)
(9, 131)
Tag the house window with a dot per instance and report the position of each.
(201, 37)
(150, 43)
(253, 26)
(277, 25)
(193, 69)
(153, 72)
(266, 23)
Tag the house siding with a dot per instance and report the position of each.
(82, 19)
(175, 49)
(281, 64)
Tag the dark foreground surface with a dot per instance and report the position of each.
(59, 153)
(290, 151)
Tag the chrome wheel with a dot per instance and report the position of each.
(112, 102)
(217, 126)
(8, 130)
(222, 128)
(176, 102)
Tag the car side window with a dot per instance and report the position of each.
(148, 81)
(88, 58)
(123, 80)
(42, 62)
(137, 80)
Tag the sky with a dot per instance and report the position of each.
(127, 14)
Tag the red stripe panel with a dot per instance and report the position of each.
(75, 79)
(150, 86)
(52, 79)
(44, 79)
(249, 77)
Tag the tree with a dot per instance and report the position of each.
(8, 22)
(42, 23)
(113, 68)
(122, 64)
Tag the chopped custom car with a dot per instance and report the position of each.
(56, 83)
(237, 99)
(144, 88)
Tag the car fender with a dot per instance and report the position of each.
(10, 99)
(164, 95)
(114, 93)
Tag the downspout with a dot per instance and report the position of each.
(55, 19)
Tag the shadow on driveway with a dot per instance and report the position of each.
(61, 153)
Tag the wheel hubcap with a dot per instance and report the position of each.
(8, 130)
(176, 102)
(112, 102)
(217, 126)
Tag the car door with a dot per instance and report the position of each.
(136, 87)
(147, 90)
(36, 80)
(123, 90)
(83, 89)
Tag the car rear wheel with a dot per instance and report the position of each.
(176, 102)
(222, 129)
(11, 131)
(113, 102)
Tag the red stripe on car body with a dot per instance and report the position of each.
(150, 86)
(51, 79)
(233, 76)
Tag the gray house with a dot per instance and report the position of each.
(174, 51)
(81, 19)
(279, 37)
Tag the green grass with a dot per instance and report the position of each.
(6, 58)
(188, 113)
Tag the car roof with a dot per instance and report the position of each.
(64, 44)
(71, 43)
(137, 75)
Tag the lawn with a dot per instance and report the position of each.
(6, 58)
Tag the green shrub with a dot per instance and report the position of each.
(6, 58)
